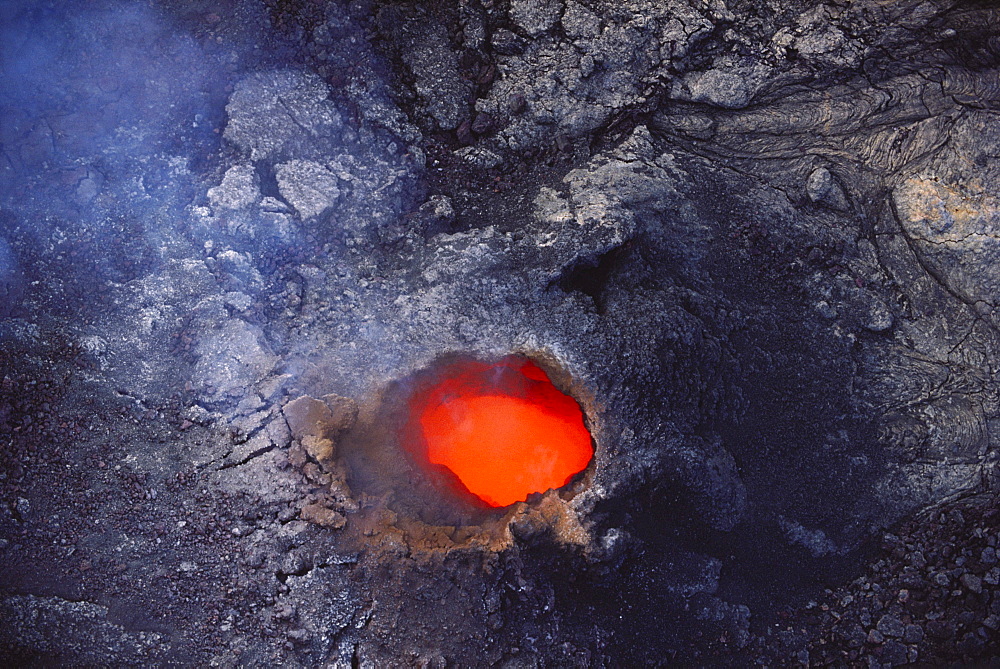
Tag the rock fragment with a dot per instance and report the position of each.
(822, 188)
(309, 187)
(891, 626)
(535, 16)
(231, 360)
(424, 46)
(318, 448)
(720, 88)
(309, 417)
(279, 114)
(318, 514)
(240, 189)
(972, 583)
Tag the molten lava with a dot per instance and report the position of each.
(501, 428)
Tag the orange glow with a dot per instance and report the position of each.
(502, 429)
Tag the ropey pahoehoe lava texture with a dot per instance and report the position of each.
(275, 277)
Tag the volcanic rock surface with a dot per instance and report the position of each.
(756, 241)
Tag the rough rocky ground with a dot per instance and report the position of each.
(755, 240)
(931, 596)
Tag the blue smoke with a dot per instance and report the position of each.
(113, 119)
(107, 110)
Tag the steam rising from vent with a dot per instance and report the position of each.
(503, 429)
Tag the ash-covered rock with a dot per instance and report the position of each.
(423, 45)
(603, 61)
(286, 122)
(240, 189)
(280, 115)
(309, 187)
(230, 360)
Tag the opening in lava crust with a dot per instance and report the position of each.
(501, 429)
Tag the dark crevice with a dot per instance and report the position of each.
(268, 180)
(590, 276)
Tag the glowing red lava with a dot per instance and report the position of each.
(501, 428)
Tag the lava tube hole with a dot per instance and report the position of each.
(499, 430)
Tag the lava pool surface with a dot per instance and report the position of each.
(503, 429)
